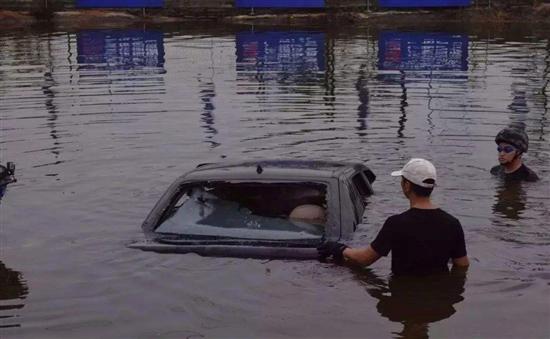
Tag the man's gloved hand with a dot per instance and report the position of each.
(331, 248)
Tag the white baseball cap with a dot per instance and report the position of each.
(418, 171)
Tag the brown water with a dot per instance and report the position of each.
(101, 122)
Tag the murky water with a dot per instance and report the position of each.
(100, 122)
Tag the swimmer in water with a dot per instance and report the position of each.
(511, 144)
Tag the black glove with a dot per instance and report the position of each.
(331, 248)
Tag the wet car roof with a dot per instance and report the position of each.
(283, 169)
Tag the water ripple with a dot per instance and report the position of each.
(100, 122)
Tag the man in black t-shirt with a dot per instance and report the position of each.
(422, 239)
(511, 144)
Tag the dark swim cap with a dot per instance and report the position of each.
(513, 136)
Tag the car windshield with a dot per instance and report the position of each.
(262, 211)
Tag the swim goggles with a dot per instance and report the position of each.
(506, 149)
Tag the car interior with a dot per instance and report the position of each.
(220, 208)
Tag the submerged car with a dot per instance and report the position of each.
(259, 209)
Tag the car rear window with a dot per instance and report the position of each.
(263, 211)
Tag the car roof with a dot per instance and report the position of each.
(273, 169)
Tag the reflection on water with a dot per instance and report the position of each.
(13, 289)
(120, 49)
(51, 108)
(363, 93)
(423, 51)
(421, 55)
(285, 57)
(415, 302)
(207, 95)
(510, 200)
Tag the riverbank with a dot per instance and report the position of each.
(77, 19)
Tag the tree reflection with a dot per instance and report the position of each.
(361, 85)
(207, 95)
(415, 302)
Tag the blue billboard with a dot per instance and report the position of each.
(120, 49)
(119, 3)
(422, 3)
(280, 3)
(410, 51)
(285, 56)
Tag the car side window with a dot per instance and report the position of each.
(369, 176)
(361, 185)
(357, 202)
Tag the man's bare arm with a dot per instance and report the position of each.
(362, 256)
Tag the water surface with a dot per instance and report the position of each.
(100, 122)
